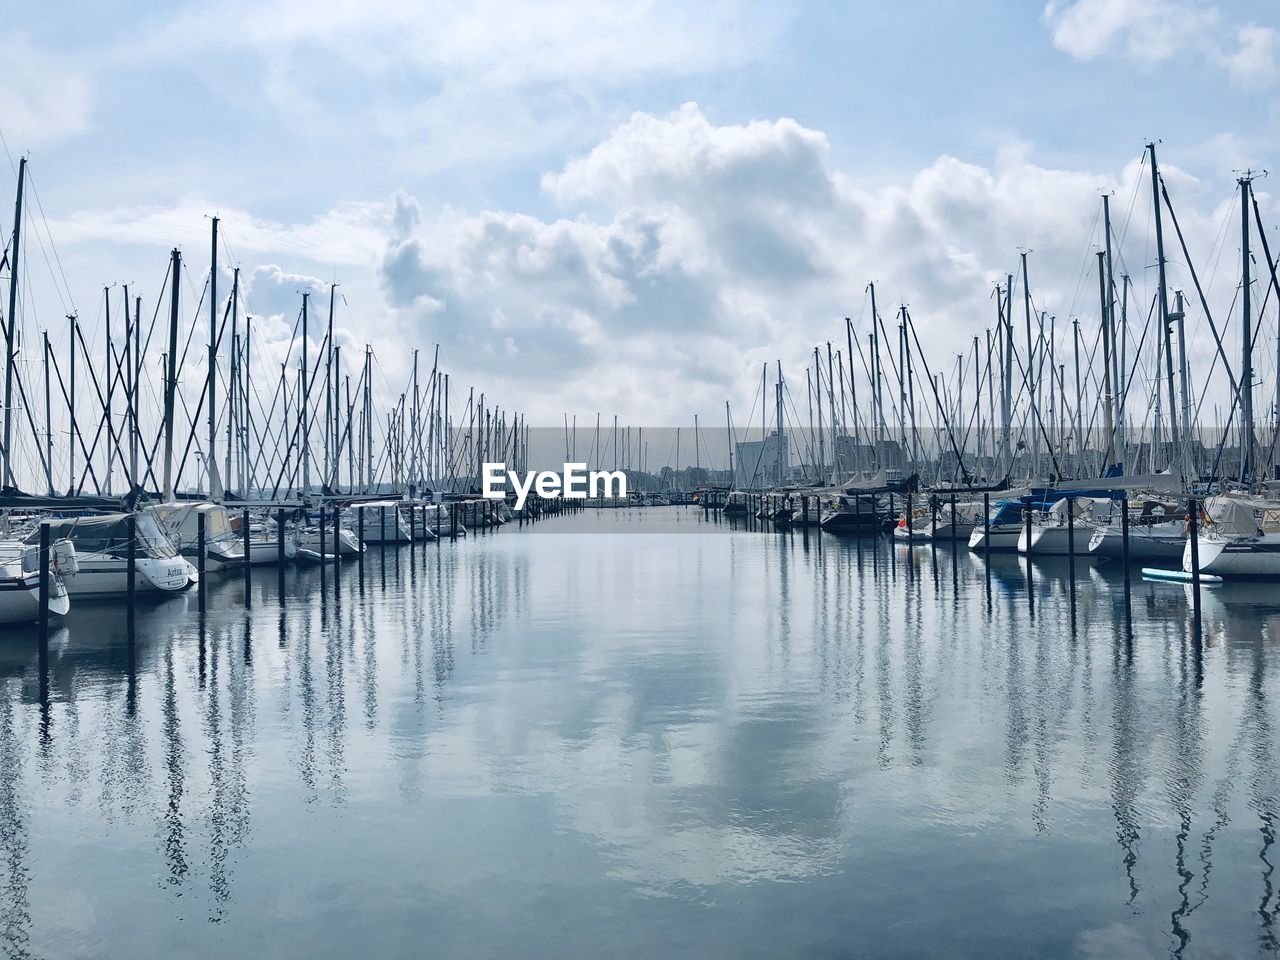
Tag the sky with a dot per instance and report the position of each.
(629, 208)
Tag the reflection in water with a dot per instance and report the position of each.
(696, 741)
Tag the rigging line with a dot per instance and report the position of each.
(45, 220)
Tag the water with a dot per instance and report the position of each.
(691, 742)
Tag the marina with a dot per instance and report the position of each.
(649, 480)
(468, 738)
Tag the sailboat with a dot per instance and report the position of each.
(20, 580)
(102, 551)
(180, 520)
(1239, 537)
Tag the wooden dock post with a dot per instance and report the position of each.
(248, 575)
(200, 557)
(44, 585)
(1193, 537)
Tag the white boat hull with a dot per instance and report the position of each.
(1163, 541)
(1056, 541)
(20, 599)
(1257, 558)
(1004, 539)
(101, 577)
(348, 544)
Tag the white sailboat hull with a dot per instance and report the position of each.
(1051, 540)
(1257, 558)
(100, 577)
(1004, 539)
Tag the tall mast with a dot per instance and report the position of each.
(211, 457)
(853, 389)
(48, 421)
(330, 437)
(171, 380)
(12, 324)
(875, 376)
(1163, 295)
(248, 468)
(71, 412)
(367, 421)
(1108, 417)
(304, 390)
(1246, 365)
(1079, 411)
(831, 403)
(233, 379)
(782, 438)
(128, 388)
(1115, 441)
(134, 388)
(1031, 383)
(822, 450)
(415, 467)
(110, 382)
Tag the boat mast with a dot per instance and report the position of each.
(110, 383)
(136, 479)
(853, 391)
(304, 390)
(1108, 416)
(11, 325)
(1114, 369)
(817, 391)
(1031, 384)
(48, 421)
(875, 377)
(233, 378)
(71, 411)
(1246, 326)
(782, 438)
(1163, 295)
(211, 458)
(171, 380)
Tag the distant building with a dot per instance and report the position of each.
(758, 464)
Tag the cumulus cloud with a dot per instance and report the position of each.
(1258, 57)
(689, 252)
(682, 255)
(1155, 31)
(45, 97)
(1147, 30)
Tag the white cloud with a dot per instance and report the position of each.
(691, 252)
(45, 96)
(1156, 31)
(1258, 58)
(686, 253)
(1146, 30)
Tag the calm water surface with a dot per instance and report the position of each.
(636, 733)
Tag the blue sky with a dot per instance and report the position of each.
(627, 208)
